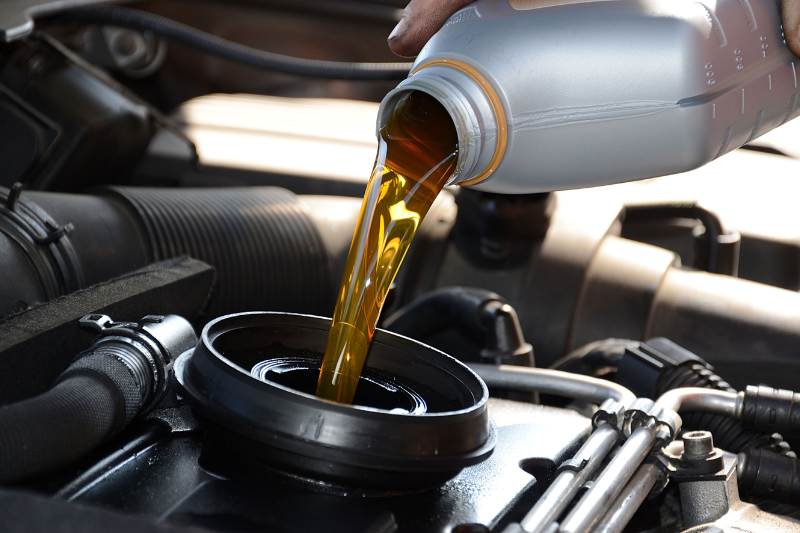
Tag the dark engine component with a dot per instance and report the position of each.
(160, 470)
(420, 415)
(125, 372)
(265, 248)
(657, 366)
(40, 264)
(767, 474)
(476, 312)
(39, 344)
(234, 438)
(581, 282)
(63, 124)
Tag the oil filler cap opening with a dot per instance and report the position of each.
(419, 417)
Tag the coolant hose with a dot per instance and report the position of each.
(124, 373)
(181, 33)
(85, 408)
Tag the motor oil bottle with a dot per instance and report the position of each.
(548, 95)
(525, 96)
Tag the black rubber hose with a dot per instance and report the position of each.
(728, 434)
(266, 250)
(265, 247)
(90, 403)
(767, 474)
(683, 210)
(769, 409)
(479, 314)
(181, 33)
(603, 357)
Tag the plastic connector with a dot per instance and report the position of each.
(642, 367)
(766, 474)
(770, 410)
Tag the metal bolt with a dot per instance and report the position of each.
(697, 445)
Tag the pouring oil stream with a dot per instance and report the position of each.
(417, 153)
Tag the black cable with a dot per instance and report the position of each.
(181, 33)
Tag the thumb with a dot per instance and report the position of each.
(791, 24)
(421, 19)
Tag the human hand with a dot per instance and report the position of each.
(422, 18)
(791, 24)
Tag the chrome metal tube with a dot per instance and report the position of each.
(610, 482)
(560, 493)
(704, 401)
(628, 501)
(555, 382)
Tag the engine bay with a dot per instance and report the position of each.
(176, 222)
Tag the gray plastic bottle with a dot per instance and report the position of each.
(592, 93)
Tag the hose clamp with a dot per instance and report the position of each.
(44, 242)
(611, 412)
(572, 465)
(158, 339)
(644, 412)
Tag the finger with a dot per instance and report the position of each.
(421, 19)
(791, 24)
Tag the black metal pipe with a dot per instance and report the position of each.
(711, 222)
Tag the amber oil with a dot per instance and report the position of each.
(417, 153)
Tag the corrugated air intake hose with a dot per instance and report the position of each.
(267, 251)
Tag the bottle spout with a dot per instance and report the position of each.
(475, 108)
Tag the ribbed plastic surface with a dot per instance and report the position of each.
(266, 252)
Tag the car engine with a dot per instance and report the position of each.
(176, 210)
